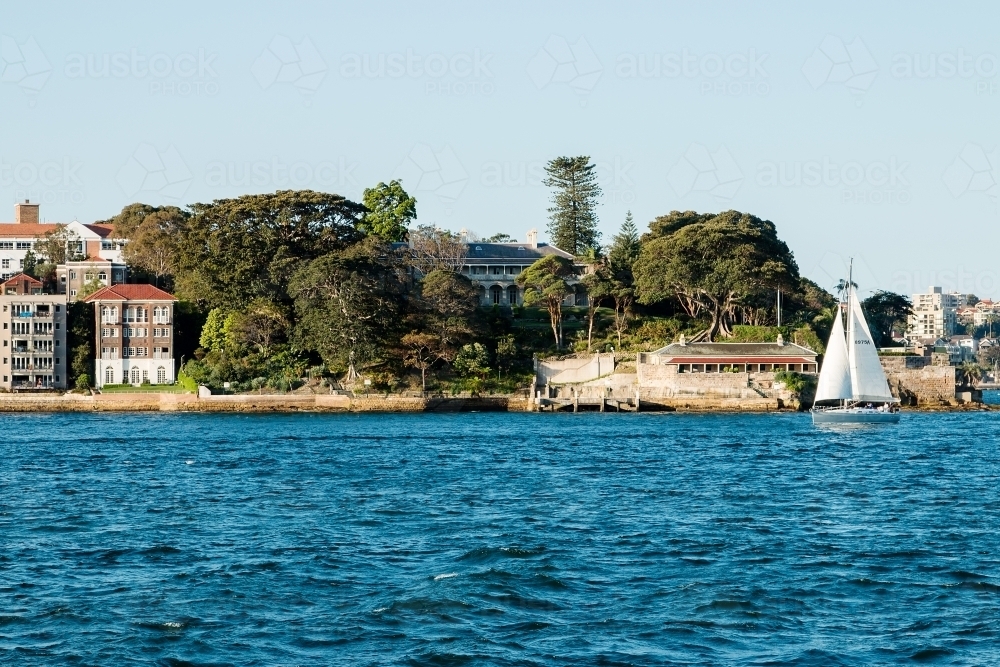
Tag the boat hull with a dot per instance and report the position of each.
(854, 416)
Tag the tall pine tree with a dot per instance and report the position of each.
(625, 246)
(572, 218)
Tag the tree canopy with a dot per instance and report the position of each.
(233, 251)
(389, 211)
(573, 216)
(715, 264)
(884, 310)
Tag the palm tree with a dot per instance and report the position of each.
(842, 286)
(971, 373)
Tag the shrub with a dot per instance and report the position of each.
(83, 382)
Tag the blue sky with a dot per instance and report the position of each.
(859, 130)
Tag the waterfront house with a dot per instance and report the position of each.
(32, 336)
(495, 266)
(134, 335)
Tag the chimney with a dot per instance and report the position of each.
(532, 238)
(781, 340)
(26, 213)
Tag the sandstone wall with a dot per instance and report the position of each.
(919, 381)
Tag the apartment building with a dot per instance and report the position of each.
(935, 314)
(71, 277)
(27, 229)
(135, 335)
(33, 354)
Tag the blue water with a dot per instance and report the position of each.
(498, 539)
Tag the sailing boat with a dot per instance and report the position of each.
(852, 374)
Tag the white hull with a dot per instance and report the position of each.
(854, 416)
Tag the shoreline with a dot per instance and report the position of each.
(337, 403)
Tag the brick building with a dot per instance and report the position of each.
(134, 335)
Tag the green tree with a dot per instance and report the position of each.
(573, 216)
(884, 310)
(714, 265)
(971, 373)
(212, 335)
(89, 288)
(500, 238)
(55, 245)
(473, 361)
(422, 350)
(80, 336)
(447, 304)
(129, 219)
(234, 251)
(506, 353)
(625, 247)
(665, 225)
(546, 284)
(29, 263)
(153, 244)
(597, 283)
(259, 326)
(390, 210)
(349, 305)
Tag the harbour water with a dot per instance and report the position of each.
(498, 539)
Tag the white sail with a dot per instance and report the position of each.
(835, 376)
(868, 381)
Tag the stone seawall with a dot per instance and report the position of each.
(152, 402)
(919, 382)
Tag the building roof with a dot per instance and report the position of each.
(715, 353)
(20, 277)
(130, 293)
(482, 252)
(22, 230)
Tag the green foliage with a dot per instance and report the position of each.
(658, 332)
(213, 336)
(884, 312)
(546, 284)
(389, 211)
(89, 288)
(712, 265)
(794, 382)
(80, 336)
(349, 304)
(500, 237)
(53, 245)
(184, 380)
(472, 361)
(83, 382)
(573, 216)
(665, 225)
(30, 262)
(233, 251)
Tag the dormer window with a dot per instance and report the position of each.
(479, 248)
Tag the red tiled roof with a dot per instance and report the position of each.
(18, 277)
(737, 359)
(103, 231)
(130, 293)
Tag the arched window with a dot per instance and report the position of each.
(512, 295)
(161, 375)
(105, 314)
(135, 376)
(109, 375)
(114, 314)
(496, 295)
